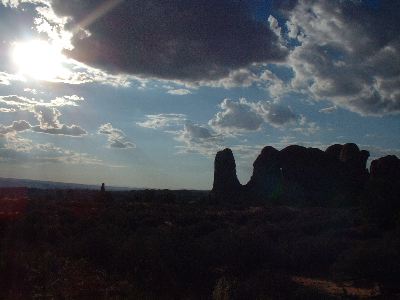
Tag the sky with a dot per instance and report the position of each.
(144, 93)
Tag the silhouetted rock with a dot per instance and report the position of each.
(334, 150)
(355, 161)
(225, 178)
(295, 174)
(386, 168)
(310, 174)
(380, 201)
(300, 164)
(298, 174)
(351, 155)
(266, 180)
(349, 152)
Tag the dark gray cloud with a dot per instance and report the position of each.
(178, 39)
(348, 53)
(284, 5)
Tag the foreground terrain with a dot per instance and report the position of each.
(71, 244)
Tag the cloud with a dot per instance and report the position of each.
(194, 138)
(284, 5)
(277, 114)
(179, 92)
(50, 124)
(61, 129)
(305, 127)
(162, 121)
(47, 114)
(236, 117)
(348, 53)
(116, 137)
(6, 78)
(29, 104)
(18, 102)
(275, 86)
(198, 139)
(196, 132)
(78, 73)
(14, 148)
(38, 14)
(328, 110)
(243, 77)
(175, 40)
(57, 129)
(31, 91)
(7, 110)
(37, 19)
(15, 127)
(274, 25)
(66, 101)
(243, 116)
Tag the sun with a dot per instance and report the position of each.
(38, 60)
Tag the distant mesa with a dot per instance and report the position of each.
(297, 173)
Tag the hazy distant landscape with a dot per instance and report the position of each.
(39, 184)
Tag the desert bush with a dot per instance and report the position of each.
(381, 203)
(373, 261)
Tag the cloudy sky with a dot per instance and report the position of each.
(143, 93)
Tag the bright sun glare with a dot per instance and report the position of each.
(38, 60)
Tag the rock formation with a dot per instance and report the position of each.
(297, 173)
(386, 168)
(308, 173)
(226, 182)
(381, 199)
(267, 175)
(334, 150)
(355, 161)
(352, 156)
